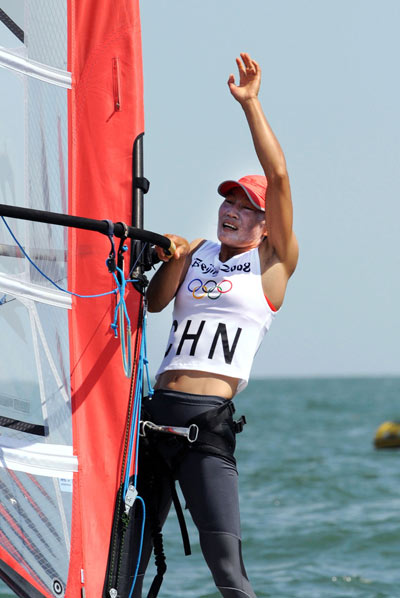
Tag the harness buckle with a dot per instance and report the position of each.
(193, 433)
(239, 424)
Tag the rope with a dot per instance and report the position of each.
(120, 315)
(140, 545)
(121, 318)
(114, 569)
(142, 368)
(115, 291)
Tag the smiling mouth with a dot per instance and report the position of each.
(229, 226)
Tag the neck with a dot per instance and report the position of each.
(226, 251)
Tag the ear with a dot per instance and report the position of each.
(265, 231)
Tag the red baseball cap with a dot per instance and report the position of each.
(254, 185)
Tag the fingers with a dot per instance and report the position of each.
(231, 80)
(162, 255)
(179, 247)
(247, 66)
(173, 251)
(172, 248)
(241, 68)
(248, 69)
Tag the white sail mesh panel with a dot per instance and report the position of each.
(47, 172)
(12, 164)
(36, 460)
(46, 31)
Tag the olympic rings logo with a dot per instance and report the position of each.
(211, 288)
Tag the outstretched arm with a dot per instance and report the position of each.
(279, 211)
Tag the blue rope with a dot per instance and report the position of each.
(137, 404)
(150, 389)
(140, 545)
(120, 308)
(114, 292)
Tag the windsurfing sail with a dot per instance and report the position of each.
(74, 75)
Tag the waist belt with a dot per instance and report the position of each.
(217, 430)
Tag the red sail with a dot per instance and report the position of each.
(105, 117)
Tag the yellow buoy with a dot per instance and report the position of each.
(388, 435)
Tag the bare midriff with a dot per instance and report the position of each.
(199, 383)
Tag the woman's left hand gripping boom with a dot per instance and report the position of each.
(166, 281)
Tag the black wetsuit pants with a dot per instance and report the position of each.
(209, 484)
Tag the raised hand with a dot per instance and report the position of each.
(249, 79)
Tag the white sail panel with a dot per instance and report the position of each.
(37, 461)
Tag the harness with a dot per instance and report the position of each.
(162, 449)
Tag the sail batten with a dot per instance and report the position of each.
(31, 68)
(35, 458)
(26, 290)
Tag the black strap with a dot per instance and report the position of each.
(212, 417)
(161, 565)
(210, 439)
(181, 519)
(110, 261)
(239, 424)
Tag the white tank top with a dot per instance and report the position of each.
(220, 315)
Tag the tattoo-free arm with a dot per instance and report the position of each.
(167, 280)
(279, 209)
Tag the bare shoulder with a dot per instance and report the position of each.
(196, 244)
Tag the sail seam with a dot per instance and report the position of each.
(31, 68)
(62, 514)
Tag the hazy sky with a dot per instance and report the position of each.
(331, 92)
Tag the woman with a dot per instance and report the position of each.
(226, 296)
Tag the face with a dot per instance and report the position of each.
(240, 224)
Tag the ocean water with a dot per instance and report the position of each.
(320, 506)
